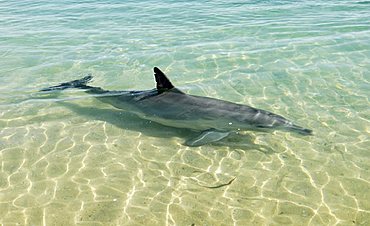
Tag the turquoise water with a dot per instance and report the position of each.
(68, 159)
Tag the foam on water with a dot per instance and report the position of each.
(81, 162)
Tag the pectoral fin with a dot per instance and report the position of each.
(206, 137)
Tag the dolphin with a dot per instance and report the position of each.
(214, 119)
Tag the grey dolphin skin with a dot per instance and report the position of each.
(215, 119)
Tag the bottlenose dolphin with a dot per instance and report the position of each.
(215, 119)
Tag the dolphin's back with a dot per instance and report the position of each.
(196, 111)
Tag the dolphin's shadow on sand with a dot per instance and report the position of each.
(129, 121)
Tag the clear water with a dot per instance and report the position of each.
(82, 162)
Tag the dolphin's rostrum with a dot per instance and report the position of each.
(167, 105)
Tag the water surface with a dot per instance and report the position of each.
(82, 162)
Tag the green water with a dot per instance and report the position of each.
(69, 159)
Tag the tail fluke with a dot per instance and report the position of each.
(79, 83)
(300, 130)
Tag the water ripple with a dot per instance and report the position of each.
(70, 160)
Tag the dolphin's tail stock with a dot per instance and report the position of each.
(300, 130)
(79, 83)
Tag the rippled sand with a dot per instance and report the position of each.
(101, 166)
(67, 159)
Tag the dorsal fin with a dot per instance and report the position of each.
(163, 83)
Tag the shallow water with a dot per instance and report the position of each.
(68, 159)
